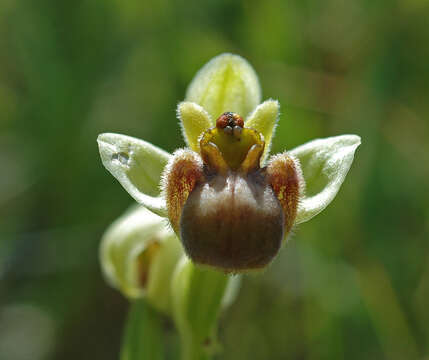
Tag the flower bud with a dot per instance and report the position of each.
(138, 254)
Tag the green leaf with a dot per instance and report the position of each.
(226, 83)
(325, 164)
(137, 165)
(143, 334)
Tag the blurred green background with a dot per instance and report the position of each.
(351, 284)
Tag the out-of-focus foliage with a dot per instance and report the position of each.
(352, 284)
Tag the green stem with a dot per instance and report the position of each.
(194, 350)
(197, 294)
(143, 334)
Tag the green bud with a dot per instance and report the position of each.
(138, 255)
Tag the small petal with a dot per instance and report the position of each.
(194, 120)
(137, 165)
(264, 119)
(324, 163)
(226, 83)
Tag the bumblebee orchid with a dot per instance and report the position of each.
(231, 205)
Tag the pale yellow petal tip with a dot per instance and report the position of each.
(264, 117)
(194, 120)
(226, 83)
(264, 120)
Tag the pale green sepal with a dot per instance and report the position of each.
(226, 83)
(194, 121)
(137, 165)
(324, 163)
(264, 119)
(197, 295)
(125, 241)
(158, 291)
(231, 291)
(143, 334)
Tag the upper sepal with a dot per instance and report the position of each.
(226, 83)
(137, 165)
(325, 164)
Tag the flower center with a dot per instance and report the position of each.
(231, 146)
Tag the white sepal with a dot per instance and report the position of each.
(137, 165)
(325, 164)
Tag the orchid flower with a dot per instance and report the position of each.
(231, 205)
